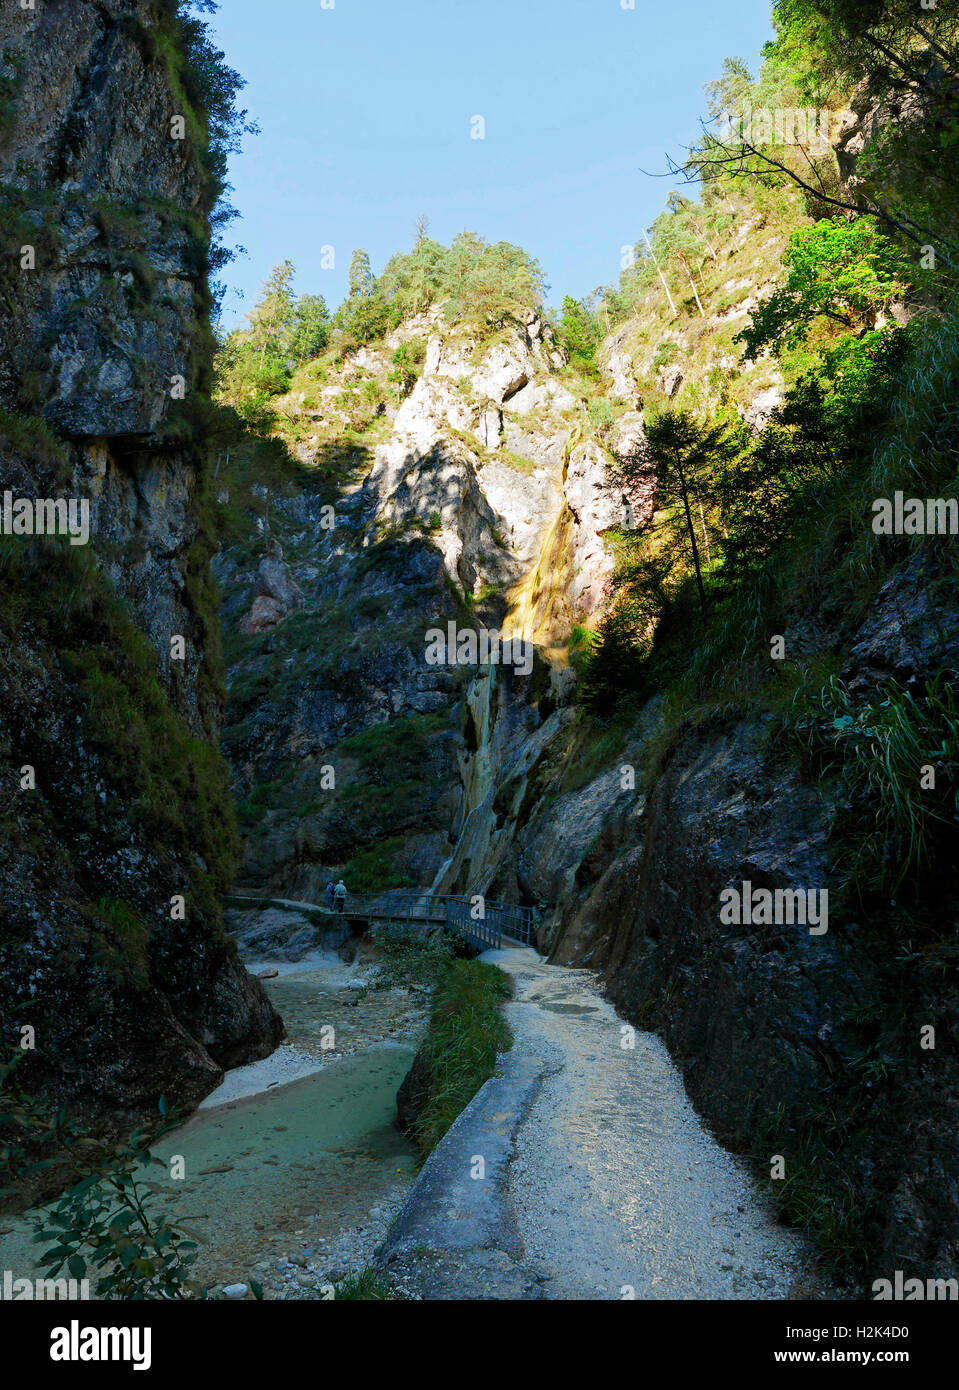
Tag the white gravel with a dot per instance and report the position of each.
(288, 1063)
(618, 1188)
(284, 1065)
(307, 1272)
(338, 973)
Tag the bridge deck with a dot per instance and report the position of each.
(488, 925)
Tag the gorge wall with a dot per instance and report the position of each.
(491, 495)
(478, 498)
(488, 491)
(113, 797)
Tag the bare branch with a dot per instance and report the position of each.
(745, 150)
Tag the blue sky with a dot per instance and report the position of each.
(366, 112)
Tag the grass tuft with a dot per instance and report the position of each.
(466, 1031)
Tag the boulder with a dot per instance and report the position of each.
(274, 580)
(504, 370)
(264, 613)
(670, 379)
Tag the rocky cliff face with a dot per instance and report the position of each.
(479, 498)
(489, 495)
(114, 800)
(796, 1044)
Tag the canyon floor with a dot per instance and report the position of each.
(598, 1180)
(618, 1189)
(601, 1181)
(295, 1165)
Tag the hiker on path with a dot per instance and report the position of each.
(329, 895)
(339, 894)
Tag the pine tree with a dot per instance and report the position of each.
(361, 274)
(685, 453)
(272, 317)
(311, 328)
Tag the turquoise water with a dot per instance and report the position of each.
(324, 1147)
(295, 1164)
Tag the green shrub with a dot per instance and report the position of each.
(407, 362)
(376, 868)
(106, 1226)
(466, 1031)
(409, 957)
(367, 1286)
(878, 749)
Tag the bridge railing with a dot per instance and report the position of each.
(485, 926)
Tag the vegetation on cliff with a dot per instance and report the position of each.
(862, 379)
(766, 604)
(481, 286)
(130, 806)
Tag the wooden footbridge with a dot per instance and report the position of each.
(487, 925)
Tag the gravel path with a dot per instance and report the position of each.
(616, 1185)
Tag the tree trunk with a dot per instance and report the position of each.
(661, 275)
(684, 493)
(702, 517)
(692, 284)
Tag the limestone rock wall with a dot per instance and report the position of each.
(479, 498)
(128, 806)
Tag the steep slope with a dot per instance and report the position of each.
(801, 774)
(478, 498)
(679, 346)
(114, 798)
(808, 1046)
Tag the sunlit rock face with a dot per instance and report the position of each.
(488, 494)
(491, 491)
(482, 446)
(482, 499)
(125, 806)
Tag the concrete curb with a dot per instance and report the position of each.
(456, 1236)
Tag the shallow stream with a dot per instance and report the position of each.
(295, 1184)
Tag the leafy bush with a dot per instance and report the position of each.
(407, 956)
(105, 1227)
(407, 362)
(878, 749)
(376, 868)
(360, 403)
(844, 271)
(602, 417)
(466, 1031)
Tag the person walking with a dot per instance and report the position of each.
(329, 895)
(339, 895)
